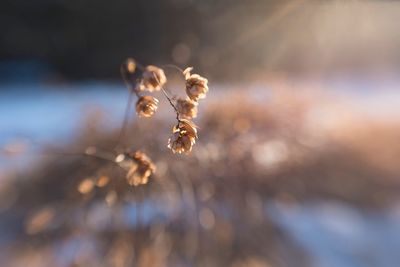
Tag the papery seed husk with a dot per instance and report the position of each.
(146, 106)
(153, 78)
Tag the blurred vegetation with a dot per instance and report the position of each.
(209, 208)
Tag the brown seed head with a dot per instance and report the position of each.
(128, 69)
(130, 65)
(183, 137)
(187, 108)
(146, 106)
(153, 79)
(196, 86)
(141, 169)
(188, 127)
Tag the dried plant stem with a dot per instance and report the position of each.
(126, 81)
(90, 152)
(171, 103)
(173, 67)
(169, 99)
(132, 91)
(99, 153)
(126, 118)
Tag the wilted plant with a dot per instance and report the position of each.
(142, 82)
(152, 78)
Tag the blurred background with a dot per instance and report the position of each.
(297, 162)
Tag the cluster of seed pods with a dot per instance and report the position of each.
(144, 82)
(153, 79)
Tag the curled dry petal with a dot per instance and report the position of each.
(186, 72)
(141, 169)
(153, 79)
(196, 85)
(146, 106)
(188, 127)
(187, 108)
(180, 143)
(183, 137)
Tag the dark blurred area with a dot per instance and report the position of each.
(89, 39)
(224, 39)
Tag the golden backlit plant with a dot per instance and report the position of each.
(152, 78)
(144, 82)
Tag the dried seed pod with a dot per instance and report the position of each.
(180, 143)
(187, 108)
(196, 86)
(130, 65)
(128, 69)
(188, 127)
(141, 169)
(146, 106)
(183, 137)
(139, 87)
(153, 79)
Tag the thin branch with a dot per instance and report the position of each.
(167, 96)
(125, 120)
(132, 91)
(99, 153)
(171, 103)
(173, 67)
(90, 151)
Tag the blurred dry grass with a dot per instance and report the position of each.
(209, 208)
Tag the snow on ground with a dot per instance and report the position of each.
(335, 234)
